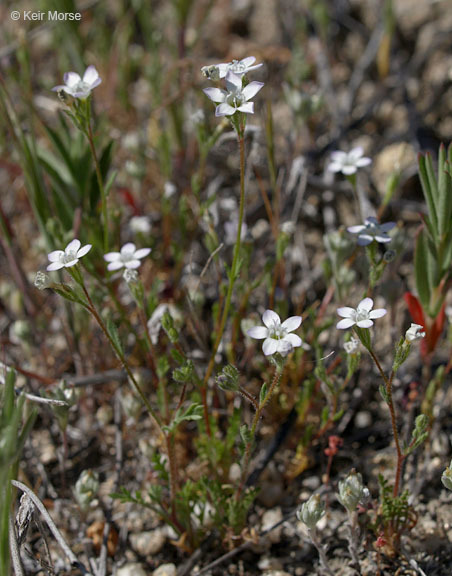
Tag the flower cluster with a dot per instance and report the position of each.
(128, 257)
(238, 93)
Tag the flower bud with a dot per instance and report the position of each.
(446, 477)
(351, 491)
(414, 332)
(311, 512)
(42, 281)
(86, 488)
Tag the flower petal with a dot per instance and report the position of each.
(378, 313)
(365, 323)
(294, 340)
(84, 250)
(251, 90)
(128, 249)
(355, 153)
(257, 332)
(247, 108)
(366, 304)
(248, 61)
(292, 323)
(387, 226)
(73, 246)
(284, 347)
(55, 255)
(55, 266)
(338, 157)
(382, 239)
(356, 229)
(224, 110)
(222, 69)
(142, 253)
(270, 318)
(346, 312)
(348, 170)
(132, 264)
(71, 263)
(334, 167)
(361, 162)
(345, 323)
(112, 256)
(233, 82)
(71, 79)
(91, 76)
(115, 265)
(269, 346)
(215, 94)
(364, 239)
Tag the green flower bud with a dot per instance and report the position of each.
(446, 477)
(311, 512)
(351, 491)
(86, 488)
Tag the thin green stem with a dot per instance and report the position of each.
(232, 279)
(99, 179)
(390, 403)
(254, 425)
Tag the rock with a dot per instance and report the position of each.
(165, 570)
(148, 543)
(131, 569)
(269, 519)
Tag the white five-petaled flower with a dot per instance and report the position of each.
(238, 67)
(235, 98)
(67, 257)
(371, 230)
(348, 162)
(78, 87)
(415, 332)
(362, 316)
(277, 337)
(128, 257)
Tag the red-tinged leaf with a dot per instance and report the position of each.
(437, 328)
(129, 200)
(415, 309)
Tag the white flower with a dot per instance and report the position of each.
(238, 67)
(362, 316)
(128, 257)
(348, 162)
(351, 346)
(235, 98)
(371, 230)
(78, 87)
(69, 257)
(277, 337)
(415, 332)
(140, 224)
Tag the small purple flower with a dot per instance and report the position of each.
(128, 257)
(235, 98)
(277, 337)
(371, 230)
(78, 87)
(362, 316)
(348, 162)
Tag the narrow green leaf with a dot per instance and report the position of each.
(114, 335)
(428, 193)
(420, 270)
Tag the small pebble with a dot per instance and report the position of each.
(131, 569)
(165, 570)
(148, 542)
